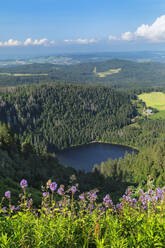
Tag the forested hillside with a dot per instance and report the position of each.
(128, 74)
(56, 116)
(59, 116)
(149, 137)
(19, 161)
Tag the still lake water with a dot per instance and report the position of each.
(84, 157)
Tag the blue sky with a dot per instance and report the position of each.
(81, 25)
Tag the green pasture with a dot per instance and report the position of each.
(158, 115)
(155, 100)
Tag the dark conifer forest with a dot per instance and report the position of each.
(60, 116)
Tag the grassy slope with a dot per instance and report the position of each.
(155, 100)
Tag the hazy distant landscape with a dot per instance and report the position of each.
(69, 59)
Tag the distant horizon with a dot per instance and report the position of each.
(71, 53)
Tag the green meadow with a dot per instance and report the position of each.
(155, 100)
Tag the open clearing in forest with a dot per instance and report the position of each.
(22, 74)
(28, 75)
(107, 73)
(155, 100)
(5, 74)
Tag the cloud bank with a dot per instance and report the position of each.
(43, 42)
(81, 41)
(27, 42)
(152, 33)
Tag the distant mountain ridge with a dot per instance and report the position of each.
(129, 74)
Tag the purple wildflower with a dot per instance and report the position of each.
(60, 191)
(101, 209)
(154, 198)
(8, 194)
(82, 197)
(107, 201)
(17, 208)
(73, 189)
(53, 186)
(92, 196)
(134, 201)
(119, 206)
(23, 184)
(128, 191)
(163, 189)
(150, 192)
(4, 209)
(30, 203)
(106, 198)
(12, 208)
(45, 194)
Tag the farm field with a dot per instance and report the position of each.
(5, 74)
(22, 74)
(109, 72)
(28, 75)
(155, 100)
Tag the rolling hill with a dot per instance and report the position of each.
(115, 73)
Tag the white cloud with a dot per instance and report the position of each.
(111, 37)
(127, 36)
(41, 42)
(154, 32)
(82, 41)
(27, 42)
(10, 43)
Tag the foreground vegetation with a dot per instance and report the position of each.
(71, 219)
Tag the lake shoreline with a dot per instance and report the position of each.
(102, 142)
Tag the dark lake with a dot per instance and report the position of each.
(85, 156)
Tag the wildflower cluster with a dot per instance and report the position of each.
(57, 199)
(81, 218)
